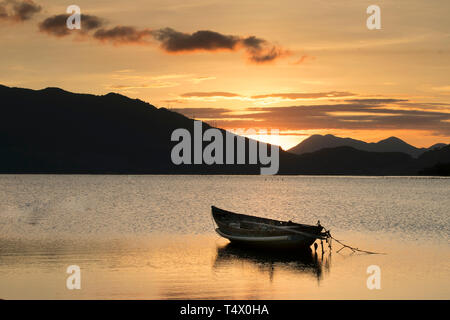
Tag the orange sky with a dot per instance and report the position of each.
(302, 67)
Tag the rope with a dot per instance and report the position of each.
(327, 232)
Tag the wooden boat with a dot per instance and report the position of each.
(256, 231)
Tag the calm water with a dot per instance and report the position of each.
(152, 237)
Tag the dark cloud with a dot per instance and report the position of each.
(287, 96)
(295, 96)
(3, 13)
(266, 55)
(209, 94)
(376, 101)
(425, 106)
(19, 11)
(258, 50)
(261, 51)
(175, 41)
(124, 35)
(345, 116)
(254, 42)
(57, 25)
(170, 101)
(203, 113)
(24, 10)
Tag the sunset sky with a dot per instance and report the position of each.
(302, 67)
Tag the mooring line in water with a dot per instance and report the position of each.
(347, 246)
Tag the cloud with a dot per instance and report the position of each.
(303, 59)
(131, 79)
(257, 49)
(265, 55)
(125, 70)
(18, 11)
(425, 106)
(169, 101)
(284, 96)
(261, 51)
(210, 95)
(349, 116)
(57, 25)
(124, 35)
(203, 113)
(158, 84)
(299, 96)
(175, 41)
(201, 79)
(376, 101)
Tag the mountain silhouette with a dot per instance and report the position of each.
(440, 169)
(437, 146)
(392, 144)
(56, 131)
(351, 161)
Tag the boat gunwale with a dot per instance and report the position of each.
(256, 239)
(241, 217)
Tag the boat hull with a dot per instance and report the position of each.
(261, 232)
(273, 242)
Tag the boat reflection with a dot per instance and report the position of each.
(304, 262)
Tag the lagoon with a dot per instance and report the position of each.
(152, 237)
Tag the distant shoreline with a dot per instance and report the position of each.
(213, 174)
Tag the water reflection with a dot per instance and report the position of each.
(305, 262)
(204, 267)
